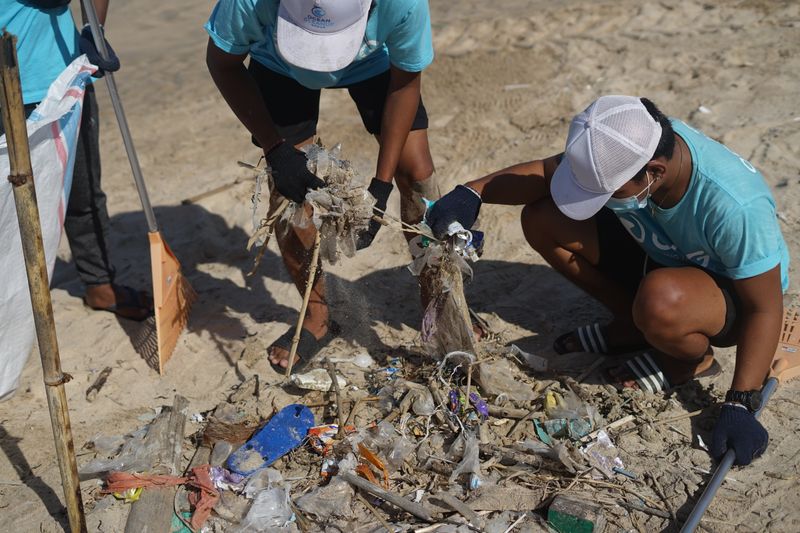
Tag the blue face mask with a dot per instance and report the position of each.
(631, 203)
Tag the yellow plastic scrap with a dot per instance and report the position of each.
(130, 495)
(552, 400)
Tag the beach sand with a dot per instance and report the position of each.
(507, 78)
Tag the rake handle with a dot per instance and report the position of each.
(116, 103)
(722, 469)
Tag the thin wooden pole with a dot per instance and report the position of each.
(21, 178)
(312, 276)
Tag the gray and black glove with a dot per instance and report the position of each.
(738, 429)
(88, 47)
(290, 172)
(461, 205)
(380, 190)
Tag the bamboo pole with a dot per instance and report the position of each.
(21, 178)
(312, 276)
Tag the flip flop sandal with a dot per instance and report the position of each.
(592, 339)
(649, 377)
(127, 298)
(307, 347)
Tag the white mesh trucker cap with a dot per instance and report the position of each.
(321, 35)
(608, 143)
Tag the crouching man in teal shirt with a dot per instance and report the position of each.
(673, 232)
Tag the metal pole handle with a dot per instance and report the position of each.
(100, 42)
(722, 469)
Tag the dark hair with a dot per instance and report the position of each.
(666, 145)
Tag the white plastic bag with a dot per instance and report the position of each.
(52, 136)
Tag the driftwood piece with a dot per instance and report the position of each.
(395, 499)
(451, 502)
(507, 412)
(152, 512)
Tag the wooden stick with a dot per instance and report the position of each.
(374, 512)
(406, 505)
(153, 510)
(312, 276)
(21, 178)
(91, 392)
(644, 509)
(340, 415)
(356, 406)
(522, 420)
(508, 412)
(615, 424)
(660, 491)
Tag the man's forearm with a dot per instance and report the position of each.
(520, 184)
(760, 325)
(402, 101)
(241, 92)
(758, 341)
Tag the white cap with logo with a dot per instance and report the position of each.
(321, 35)
(608, 143)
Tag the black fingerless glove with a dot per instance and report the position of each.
(380, 190)
(290, 172)
(461, 205)
(88, 47)
(737, 428)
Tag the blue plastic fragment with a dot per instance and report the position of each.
(283, 433)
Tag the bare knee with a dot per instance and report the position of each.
(657, 306)
(419, 170)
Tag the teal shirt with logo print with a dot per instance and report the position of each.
(398, 33)
(726, 221)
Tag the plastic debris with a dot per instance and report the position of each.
(573, 515)
(265, 478)
(321, 437)
(284, 432)
(535, 362)
(129, 495)
(497, 377)
(470, 461)
(603, 455)
(317, 379)
(328, 500)
(224, 479)
(479, 404)
(270, 510)
(220, 453)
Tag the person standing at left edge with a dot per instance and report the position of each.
(377, 51)
(48, 41)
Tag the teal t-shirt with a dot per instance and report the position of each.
(726, 222)
(47, 41)
(398, 32)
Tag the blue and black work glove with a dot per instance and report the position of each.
(738, 429)
(88, 47)
(380, 190)
(461, 205)
(290, 172)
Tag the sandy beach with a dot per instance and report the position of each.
(507, 78)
